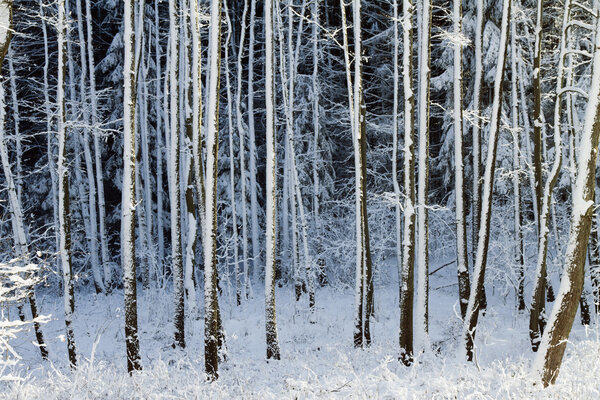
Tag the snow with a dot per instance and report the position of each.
(318, 360)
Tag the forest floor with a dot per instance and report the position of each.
(318, 360)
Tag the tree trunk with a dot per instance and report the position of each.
(271, 193)
(174, 178)
(63, 189)
(211, 305)
(459, 186)
(476, 295)
(554, 340)
(536, 316)
(408, 258)
(128, 204)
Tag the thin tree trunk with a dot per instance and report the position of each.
(128, 205)
(89, 165)
(97, 150)
(422, 322)
(476, 204)
(519, 259)
(234, 226)
(252, 143)
(159, 144)
(536, 316)
(459, 187)
(174, 174)
(63, 189)
(408, 258)
(212, 326)
(476, 295)
(241, 133)
(271, 193)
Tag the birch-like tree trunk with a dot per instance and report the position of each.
(252, 143)
(459, 186)
(519, 256)
(89, 165)
(174, 175)
(128, 203)
(159, 144)
(242, 135)
(212, 326)
(49, 131)
(271, 194)
(97, 149)
(477, 286)
(554, 340)
(408, 249)
(537, 108)
(63, 189)
(422, 322)
(477, 83)
(232, 202)
(536, 316)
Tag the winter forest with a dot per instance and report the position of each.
(299, 199)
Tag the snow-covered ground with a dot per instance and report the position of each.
(318, 360)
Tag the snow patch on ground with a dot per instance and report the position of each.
(318, 360)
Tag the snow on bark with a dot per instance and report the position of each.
(519, 256)
(174, 175)
(459, 188)
(252, 144)
(234, 224)
(242, 134)
(128, 202)
(554, 340)
(63, 189)
(408, 251)
(422, 301)
(272, 341)
(395, 133)
(477, 286)
(476, 202)
(536, 317)
(211, 305)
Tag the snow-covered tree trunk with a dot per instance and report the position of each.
(408, 250)
(49, 131)
(174, 174)
(477, 83)
(159, 142)
(128, 203)
(483, 237)
(188, 152)
(211, 305)
(396, 185)
(536, 316)
(459, 185)
(554, 341)
(537, 108)
(63, 188)
(252, 144)
(89, 165)
(97, 149)
(316, 122)
(242, 151)
(234, 224)
(519, 259)
(422, 303)
(271, 175)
